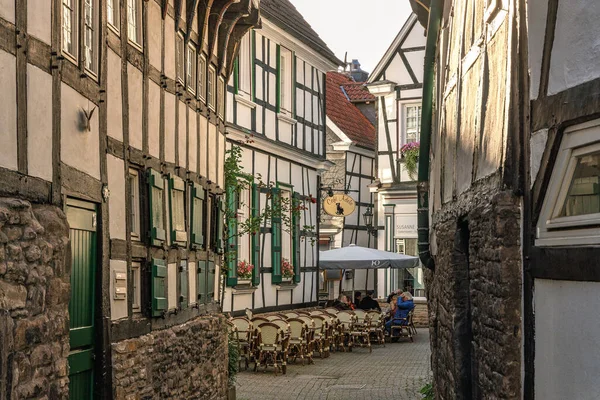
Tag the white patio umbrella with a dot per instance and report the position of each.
(357, 257)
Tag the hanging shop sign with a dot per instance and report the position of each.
(339, 205)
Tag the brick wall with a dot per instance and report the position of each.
(34, 301)
(474, 298)
(187, 361)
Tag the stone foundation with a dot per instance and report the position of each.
(34, 301)
(187, 361)
(474, 298)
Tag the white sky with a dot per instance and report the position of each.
(363, 28)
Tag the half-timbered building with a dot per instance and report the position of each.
(350, 147)
(396, 81)
(276, 113)
(113, 111)
(511, 106)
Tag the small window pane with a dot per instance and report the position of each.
(179, 59)
(89, 36)
(135, 278)
(211, 89)
(191, 69)
(69, 26)
(112, 12)
(584, 191)
(134, 203)
(202, 77)
(134, 23)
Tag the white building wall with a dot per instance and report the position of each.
(8, 111)
(39, 128)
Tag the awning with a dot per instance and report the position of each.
(357, 257)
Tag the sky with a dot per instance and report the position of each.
(363, 28)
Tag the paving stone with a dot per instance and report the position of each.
(397, 371)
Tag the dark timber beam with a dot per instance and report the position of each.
(215, 18)
(230, 48)
(192, 6)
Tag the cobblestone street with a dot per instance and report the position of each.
(396, 371)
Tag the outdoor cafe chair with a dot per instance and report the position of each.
(300, 337)
(360, 334)
(283, 324)
(273, 317)
(376, 326)
(271, 350)
(244, 331)
(310, 323)
(321, 336)
(401, 327)
(259, 320)
(316, 312)
(346, 324)
(332, 310)
(291, 314)
(332, 332)
(307, 314)
(360, 316)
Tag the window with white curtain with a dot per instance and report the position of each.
(134, 21)
(87, 50)
(112, 13)
(245, 65)
(202, 77)
(69, 27)
(191, 68)
(90, 35)
(412, 114)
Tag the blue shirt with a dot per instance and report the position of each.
(403, 308)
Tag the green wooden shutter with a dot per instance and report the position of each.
(232, 238)
(176, 209)
(278, 83)
(219, 237)
(210, 282)
(159, 297)
(255, 240)
(276, 236)
(296, 237)
(198, 198)
(201, 292)
(156, 188)
(184, 291)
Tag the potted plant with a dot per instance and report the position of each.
(244, 271)
(287, 269)
(410, 154)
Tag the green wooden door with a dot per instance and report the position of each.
(82, 220)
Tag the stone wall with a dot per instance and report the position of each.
(34, 301)
(187, 361)
(474, 297)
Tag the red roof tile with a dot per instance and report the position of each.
(357, 91)
(345, 114)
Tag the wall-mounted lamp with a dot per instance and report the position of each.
(368, 219)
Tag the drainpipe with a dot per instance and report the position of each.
(435, 17)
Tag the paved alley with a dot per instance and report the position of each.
(396, 371)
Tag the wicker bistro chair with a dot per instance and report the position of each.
(321, 336)
(259, 320)
(316, 312)
(310, 324)
(346, 325)
(304, 313)
(332, 332)
(283, 324)
(376, 326)
(291, 314)
(360, 316)
(360, 334)
(245, 338)
(299, 342)
(273, 317)
(271, 347)
(332, 310)
(401, 327)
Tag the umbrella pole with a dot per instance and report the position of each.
(367, 281)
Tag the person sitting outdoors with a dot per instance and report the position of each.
(368, 303)
(341, 303)
(403, 306)
(357, 298)
(397, 292)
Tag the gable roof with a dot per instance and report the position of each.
(357, 92)
(346, 115)
(283, 14)
(391, 51)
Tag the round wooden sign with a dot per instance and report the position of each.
(339, 205)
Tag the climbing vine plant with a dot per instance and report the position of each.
(238, 181)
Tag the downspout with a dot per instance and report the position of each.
(435, 17)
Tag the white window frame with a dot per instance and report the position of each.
(134, 203)
(210, 87)
(553, 230)
(134, 8)
(136, 281)
(113, 11)
(90, 44)
(191, 65)
(221, 97)
(202, 77)
(243, 213)
(400, 246)
(180, 58)
(287, 239)
(245, 66)
(417, 128)
(285, 80)
(73, 7)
